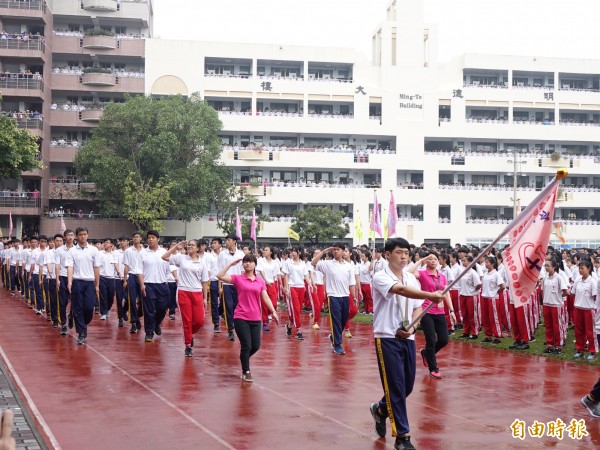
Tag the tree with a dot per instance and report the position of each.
(19, 150)
(245, 204)
(173, 141)
(145, 203)
(320, 223)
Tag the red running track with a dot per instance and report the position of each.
(120, 392)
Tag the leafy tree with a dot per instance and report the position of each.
(18, 150)
(172, 142)
(245, 203)
(145, 201)
(320, 223)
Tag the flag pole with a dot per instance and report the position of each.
(560, 174)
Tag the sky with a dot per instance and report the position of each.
(557, 28)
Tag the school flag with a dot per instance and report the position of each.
(371, 232)
(392, 219)
(385, 225)
(376, 218)
(238, 225)
(292, 234)
(358, 231)
(10, 225)
(253, 226)
(63, 227)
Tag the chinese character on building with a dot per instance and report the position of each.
(457, 93)
(548, 96)
(361, 90)
(266, 86)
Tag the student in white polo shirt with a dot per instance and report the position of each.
(395, 307)
(52, 278)
(64, 296)
(229, 292)
(131, 282)
(153, 276)
(109, 272)
(83, 274)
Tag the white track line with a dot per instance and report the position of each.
(30, 404)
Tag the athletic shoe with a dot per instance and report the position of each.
(188, 352)
(171, 316)
(39, 312)
(339, 351)
(464, 336)
(578, 355)
(548, 350)
(403, 443)
(247, 377)
(103, 317)
(266, 327)
(149, 337)
(451, 333)
(133, 329)
(557, 351)
(422, 351)
(138, 324)
(216, 329)
(70, 320)
(192, 343)
(48, 319)
(347, 334)
(299, 336)
(316, 326)
(158, 330)
(496, 341)
(288, 329)
(54, 324)
(96, 310)
(472, 337)
(487, 339)
(380, 427)
(331, 340)
(435, 374)
(63, 331)
(523, 346)
(121, 323)
(81, 339)
(515, 344)
(592, 407)
(591, 358)
(230, 336)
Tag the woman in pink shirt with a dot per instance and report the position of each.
(247, 314)
(433, 323)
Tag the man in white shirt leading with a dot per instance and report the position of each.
(394, 293)
(231, 253)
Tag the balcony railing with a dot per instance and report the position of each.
(20, 81)
(19, 200)
(20, 44)
(26, 120)
(38, 5)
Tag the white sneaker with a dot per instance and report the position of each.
(347, 334)
(103, 317)
(316, 326)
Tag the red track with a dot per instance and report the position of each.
(119, 392)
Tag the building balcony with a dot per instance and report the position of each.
(74, 82)
(26, 121)
(19, 48)
(12, 86)
(100, 42)
(70, 191)
(63, 154)
(91, 115)
(20, 9)
(100, 5)
(98, 79)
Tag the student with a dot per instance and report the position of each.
(228, 291)
(470, 284)
(50, 264)
(365, 276)
(295, 275)
(491, 284)
(352, 258)
(83, 274)
(585, 304)
(64, 295)
(269, 270)
(213, 268)
(553, 288)
(318, 296)
(339, 282)
(394, 294)
(120, 293)
(251, 290)
(131, 282)
(109, 271)
(192, 292)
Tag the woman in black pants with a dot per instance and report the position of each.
(247, 317)
(433, 323)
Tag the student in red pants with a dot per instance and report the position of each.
(554, 288)
(318, 295)
(192, 292)
(352, 259)
(365, 276)
(584, 311)
(295, 274)
(491, 284)
(269, 271)
(520, 324)
(469, 289)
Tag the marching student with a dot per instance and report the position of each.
(251, 290)
(62, 281)
(228, 290)
(83, 274)
(318, 296)
(340, 281)
(131, 261)
(213, 268)
(554, 289)
(446, 270)
(269, 270)
(455, 269)
(295, 274)
(33, 277)
(152, 277)
(109, 272)
(491, 284)
(172, 281)
(585, 289)
(192, 292)
(120, 293)
(50, 263)
(396, 297)
(469, 288)
(352, 258)
(502, 302)
(365, 276)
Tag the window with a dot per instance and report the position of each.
(120, 30)
(446, 178)
(484, 213)
(284, 175)
(318, 177)
(484, 179)
(286, 210)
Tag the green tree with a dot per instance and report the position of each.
(320, 223)
(145, 202)
(245, 203)
(173, 141)
(19, 150)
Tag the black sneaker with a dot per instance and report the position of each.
(523, 346)
(515, 344)
(70, 320)
(149, 337)
(217, 329)
(81, 339)
(548, 350)
(487, 339)
(63, 331)
(288, 329)
(48, 318)
(403, 443)
(380, 427)
(299, 336)
(230, 336)
(133, 329)
(496, 341)
(472, 337)
(138, 324)
(55, 324)
(96, 310)
(171, 316)
(188, 352)
(157, 330)
(121, 323)
(464, 336)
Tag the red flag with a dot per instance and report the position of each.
(238, 225)
(375, 218)
(63, 227)
(10, 224)
(392, 219)
(529, 236)
(253, 226)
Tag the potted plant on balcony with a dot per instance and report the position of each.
(98, 32)
(96, 69)
(555, 156)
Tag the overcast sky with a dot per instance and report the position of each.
(557, 28)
